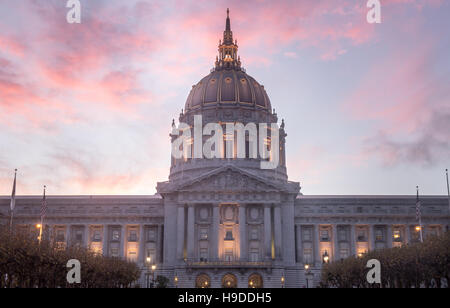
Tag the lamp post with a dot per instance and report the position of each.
(153, 275)
(176, 281)
(282, 281)
(325, 257)
(148, 260)
(307, 275)
(39, 227)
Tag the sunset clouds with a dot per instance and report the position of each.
(86, 108)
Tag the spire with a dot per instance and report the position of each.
(228, 57)
(228, 34)
(228, 24)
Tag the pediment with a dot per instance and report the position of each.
(229, 179)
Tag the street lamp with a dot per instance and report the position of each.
(39, 227)
(325, 257)
(148, 261)
(176, 281)
(282, 281)
(153, 274)
(306, 275)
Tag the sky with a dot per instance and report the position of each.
(87, 108)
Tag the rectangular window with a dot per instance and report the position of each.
(79, 236)
(97, 236)
(254, 255)
(203, 254)
(306, 233)
(361, 236)
(115, 235)
(324, 236)
(379, 235)
(151, 235)
(151, 252)
(228, 254)
(344, 251)
(342, 235)
(133, 236)
(254, 234)
(60, 236)
(203, 233)
(397, 236)
(114, 252)
(307, 253)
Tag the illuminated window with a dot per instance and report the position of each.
(397, 236)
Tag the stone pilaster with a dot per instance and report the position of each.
(214, 243)
(267, 232)
(180, 233)
(191, 232)
(243, 243)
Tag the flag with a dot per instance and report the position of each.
(13, 194)
(43, 206)
(418, 206)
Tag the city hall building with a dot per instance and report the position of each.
(225, 222)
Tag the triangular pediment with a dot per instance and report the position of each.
(229, 179)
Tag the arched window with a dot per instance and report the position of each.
(203, 281)
(255, 281)
(229, 281)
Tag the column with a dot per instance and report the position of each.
(315, 239)
(123, 241)
(371, 237)
(141, 256)
(160, 244)
(243, 243)
(191, 232)
(287, 227)
(105, 240)
(214, 242)
(389, 236)
(86, 236)
(68, 235)
(267, 233)
(180, 233)
(170, 232)
(352, 240)
(277, 229)
(298, 244)
(335, 242)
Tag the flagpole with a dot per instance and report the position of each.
(13, 202)
(420, 214)
(42, 217)
(448, 190)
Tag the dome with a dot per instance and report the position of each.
(227, 87)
